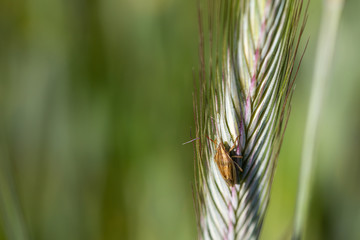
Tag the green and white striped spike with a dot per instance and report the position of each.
(246, 83)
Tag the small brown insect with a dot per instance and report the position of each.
(225, 163)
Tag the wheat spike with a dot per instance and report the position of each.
(245, 87)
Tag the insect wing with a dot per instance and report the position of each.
(225, 165)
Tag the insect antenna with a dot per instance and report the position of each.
(190, 141)
(214, 141)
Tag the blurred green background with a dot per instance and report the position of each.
(96, 99)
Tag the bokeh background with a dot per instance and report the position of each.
(96, 101)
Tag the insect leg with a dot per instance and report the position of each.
(236, 140)
(236, 164)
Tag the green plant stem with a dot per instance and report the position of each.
(10, 211)
(325, 49)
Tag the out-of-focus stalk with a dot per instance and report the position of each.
(325, 49)
(11, 214)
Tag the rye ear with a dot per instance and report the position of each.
(247, 57)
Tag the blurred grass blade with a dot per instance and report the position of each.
(326, 43)
(246, 83)
(13, 223)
